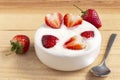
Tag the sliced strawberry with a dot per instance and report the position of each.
(71, 20)
(20, 44)
(54, 20)
(87, 34)
(49, 41)
(74, 43)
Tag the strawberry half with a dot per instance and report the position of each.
(91, 16)
(74, 43)
(20, 44)
(49, 41)
(71, 20)
(87, 34)
(54, 20)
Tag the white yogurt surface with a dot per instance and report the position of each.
(64, 34)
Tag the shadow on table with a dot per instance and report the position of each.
(90, 76)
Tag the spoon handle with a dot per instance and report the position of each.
(109, 45)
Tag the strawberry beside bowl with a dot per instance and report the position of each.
(67, 48)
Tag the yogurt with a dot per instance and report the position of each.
(61, 58)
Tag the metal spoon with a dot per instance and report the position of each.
(102, 70)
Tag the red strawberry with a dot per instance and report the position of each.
(54, 20)
(91, 16)
(87, 34)
(71, 20)
(20, 44)
(49, 41)
(74, 43)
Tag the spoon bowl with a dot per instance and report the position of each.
(101, 70)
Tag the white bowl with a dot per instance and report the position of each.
(72, 62)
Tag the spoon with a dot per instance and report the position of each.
(102, 70)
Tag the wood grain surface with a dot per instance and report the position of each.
(25, 17)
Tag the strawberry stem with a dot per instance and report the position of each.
(16, 47)
(79, 8)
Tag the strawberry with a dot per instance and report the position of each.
(91, 16)
(20, 44)
(71, 20)
(87, 34)
(74, 43)
(54, 20)
(49, 41)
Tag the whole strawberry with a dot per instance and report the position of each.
(91, 16)
(20, 44)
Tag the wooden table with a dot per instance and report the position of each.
(25, 16)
